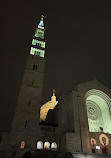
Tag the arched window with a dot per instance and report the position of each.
(33, 67)
(26, 124)
(36, 67)
(54, 146)
(22, 145)
(40, 145)
(47, 145)
(98, 111)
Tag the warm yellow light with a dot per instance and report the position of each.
(22, 145)
(47, 145)
(104, 140)
(93, 141)
(49, 105)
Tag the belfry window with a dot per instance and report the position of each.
(29, 102)
(35, 52)
(35, 67)
(38, 53)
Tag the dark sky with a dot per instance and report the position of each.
(78, 37)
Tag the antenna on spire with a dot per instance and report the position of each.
(42, 17)
(53, 92)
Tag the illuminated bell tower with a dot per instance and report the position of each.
(38, 42)
(25, 126)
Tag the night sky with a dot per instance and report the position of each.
(78, 35)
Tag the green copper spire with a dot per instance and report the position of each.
(38, 41)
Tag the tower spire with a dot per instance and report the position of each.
(42, 17)
(41, 24)
(53, 92)
(38, 41)
(53, 98)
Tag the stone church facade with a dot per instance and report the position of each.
(80, 122)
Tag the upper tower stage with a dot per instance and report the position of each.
(38, 41)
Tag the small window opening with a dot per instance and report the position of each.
(25, 124)
(22, 145)
(33, 67)
(35, 52)
(36, 67)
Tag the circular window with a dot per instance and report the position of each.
(98, 111)
(93, 110)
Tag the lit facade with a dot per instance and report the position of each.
(25, 124)
(38, 42)
(47, 106)
(98, 109)
(78, 123)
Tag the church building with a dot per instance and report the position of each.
(79, 122)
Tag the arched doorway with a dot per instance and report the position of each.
(40, 145)
(98, 111)
(54, 146)
(47, 145)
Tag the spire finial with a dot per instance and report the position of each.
(42, 17)
(53, 98)
(41, 24)
(53, 92)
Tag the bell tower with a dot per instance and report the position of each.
(25, 125)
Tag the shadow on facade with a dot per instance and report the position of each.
(47, 154)
(57, 154)
(27, 154)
